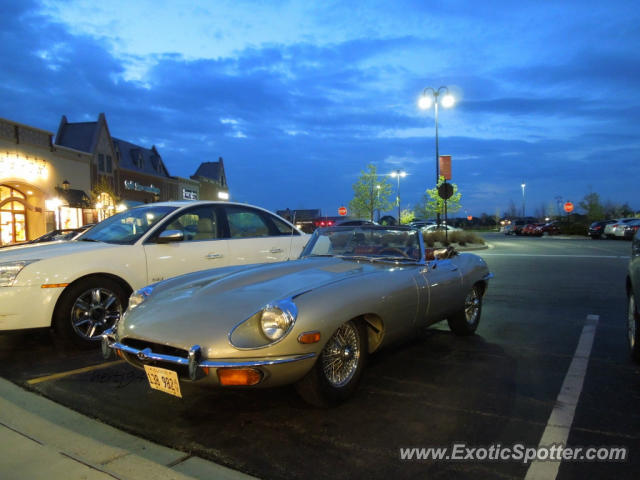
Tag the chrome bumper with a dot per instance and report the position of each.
(193, 361)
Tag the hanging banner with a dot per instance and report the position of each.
(445, 166)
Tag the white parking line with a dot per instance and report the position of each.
(561, 418)
(624, 257)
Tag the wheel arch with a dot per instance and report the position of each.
(123, 283)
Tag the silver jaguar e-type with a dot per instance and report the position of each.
(312, 321)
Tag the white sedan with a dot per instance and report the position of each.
(81, 287)
(441, 228)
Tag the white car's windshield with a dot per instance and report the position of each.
(126, 227)
(374, 242)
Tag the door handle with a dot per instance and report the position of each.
(276, 250)
(213, 256)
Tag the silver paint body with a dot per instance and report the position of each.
(203, 308)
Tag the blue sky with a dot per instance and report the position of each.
(298, 97)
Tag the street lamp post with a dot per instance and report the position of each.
(378, 202)
(430, 96)
(523, 210)
(397, 174)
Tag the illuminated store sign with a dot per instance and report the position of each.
(131, 185)
(29, 169)
(188, 194)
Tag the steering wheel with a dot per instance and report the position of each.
(395, 251)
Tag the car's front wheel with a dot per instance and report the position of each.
(336, 373)
(633, 322)
(465, 322)
(88, 308)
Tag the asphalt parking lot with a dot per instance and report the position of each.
(497, 387)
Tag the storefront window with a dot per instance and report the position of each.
(13, 219)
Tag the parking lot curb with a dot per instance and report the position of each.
(51, 441)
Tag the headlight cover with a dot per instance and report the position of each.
(275, 322)
(266, 327)
(140, 296)
(10, 270)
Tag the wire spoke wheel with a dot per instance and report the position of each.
(94, 311)
(472, 307)
(340, 357)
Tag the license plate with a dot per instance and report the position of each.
(163, 380)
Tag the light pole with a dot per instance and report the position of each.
(523, 185)
(397, 174)
(378, 202)
(430, 97)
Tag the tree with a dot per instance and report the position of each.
(592, 206)
(406, 215)
(512, 211)
(370, 193)
(432, 204)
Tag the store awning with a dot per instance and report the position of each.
(74, 198)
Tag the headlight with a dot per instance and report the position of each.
(10, 270)
(140, 296)
(277, 320)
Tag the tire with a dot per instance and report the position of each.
(324, 388)
(465, 322)
(633, 323)
(87, 308)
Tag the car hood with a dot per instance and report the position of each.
(40, 251)
(202, 308)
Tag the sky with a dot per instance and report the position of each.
(299, 96)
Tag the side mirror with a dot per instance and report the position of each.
(170, 236)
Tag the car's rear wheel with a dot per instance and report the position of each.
(633, 323)
(466, 321)
(88, 308)
(336, 373)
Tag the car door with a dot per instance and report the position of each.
(254, 237)
(444, 284)
(202, 247)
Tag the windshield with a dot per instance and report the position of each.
(374, 242)
(126, 227)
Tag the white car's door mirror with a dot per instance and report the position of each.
(169, 236)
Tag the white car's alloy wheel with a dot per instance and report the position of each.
(94, 311)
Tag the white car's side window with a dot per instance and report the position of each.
(246, 223)
(197, 224)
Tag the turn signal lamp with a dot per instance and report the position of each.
(309, 337)
(239, 376)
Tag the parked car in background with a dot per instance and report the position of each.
(633, 293)
(311, 322)
(353, 223)
(609, 229)
(530, 229)
(518, 225)
(549, 228)
(597, 229)
(81, 287)
(630, 229)
(440, 228)
(618, 228)
(421, 223)
(509, 229)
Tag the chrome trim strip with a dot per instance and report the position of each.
(147, 354)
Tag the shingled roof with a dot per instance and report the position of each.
(212, 171)
(79, 136)
(131, 154)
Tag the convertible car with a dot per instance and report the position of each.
(312, 321)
